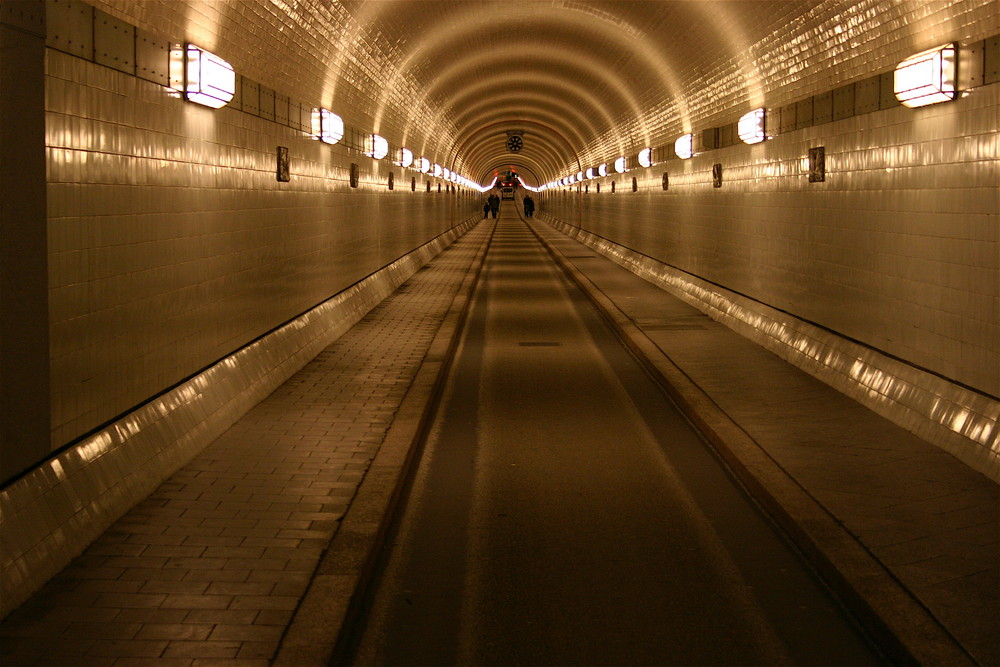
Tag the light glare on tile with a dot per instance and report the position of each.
(210, 80)
(751, 127)
(926, 78)
(684, 146)
(646, 157)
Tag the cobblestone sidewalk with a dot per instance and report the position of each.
(209, 569)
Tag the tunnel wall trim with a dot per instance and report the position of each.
(50, 515)
(960, 421)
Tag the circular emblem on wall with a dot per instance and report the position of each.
(514, 143)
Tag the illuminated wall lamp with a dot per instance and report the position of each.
(405, 157)
(751, 127)
(590, 173)
(580, 176)
(620, 165)
(438, 171)
(646, 157)
(327, 126)
(926, 78)
(446, 173)
(684, 146)
(209, 80)
(376, 146)
(424, 165)
(603, 169)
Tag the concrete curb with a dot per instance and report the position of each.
(900, 625)
(322, 624)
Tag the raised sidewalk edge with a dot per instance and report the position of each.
(904, 628)
(330, 606)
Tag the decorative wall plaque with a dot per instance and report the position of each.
(817, 164)
(283, 173)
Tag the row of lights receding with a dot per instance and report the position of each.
(211, 81)
(924, 78)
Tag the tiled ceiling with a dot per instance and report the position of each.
(583, 81)
(567, 74)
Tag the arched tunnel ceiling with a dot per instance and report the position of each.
(585, 81)
(572, 76)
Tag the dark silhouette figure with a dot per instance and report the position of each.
(529, 206)
(494, 204)
(486, 209)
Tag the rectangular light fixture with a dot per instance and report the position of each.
(405, 158)
(927, 77)
(376, 146)
(327, 126)
(209, 80)
(751, 127)
(684, 146)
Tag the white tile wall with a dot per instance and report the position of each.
(899, 248)
(50, 515)
(963, 422)
(172, 243)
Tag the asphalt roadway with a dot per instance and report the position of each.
(565, 513)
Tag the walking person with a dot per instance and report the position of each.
(529, 206)
(494, 205)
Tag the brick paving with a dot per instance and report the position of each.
(209, 569)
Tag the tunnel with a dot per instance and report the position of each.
(243, 237)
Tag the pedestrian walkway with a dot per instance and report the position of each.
(929, 519)
(209, 569)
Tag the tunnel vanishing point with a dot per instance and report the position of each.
(202, 195)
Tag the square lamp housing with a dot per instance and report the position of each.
(377, 147)
(327, 126)
(405, 157)
(209, 80)
(684, 146)
(751, 127)
(927, 77)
